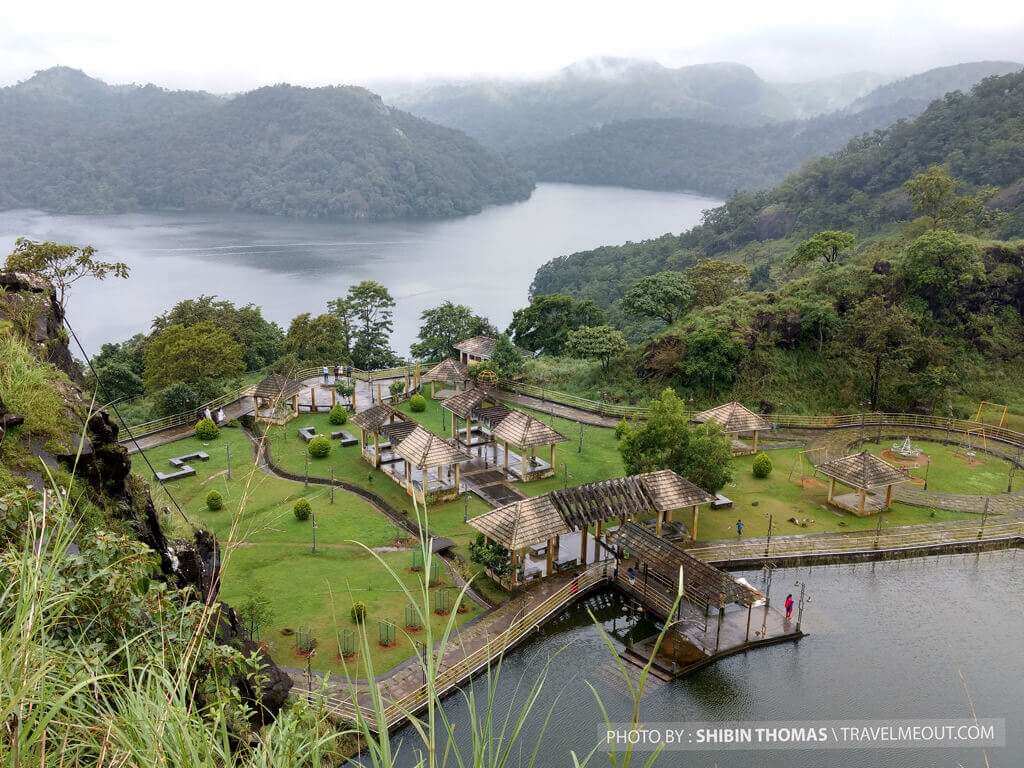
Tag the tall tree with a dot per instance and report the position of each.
(714, 281)
(663, 296)
(877, 336)
(62, 264)
(507, 359)
(544, 325)
(322, 339)
(596, 342)
(441, 327)
(827, 246)
(667, 440)
(191, 355)
(938, 266)
(368, 312)
(933, 193)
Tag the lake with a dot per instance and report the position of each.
(919, 639)
(289, 266)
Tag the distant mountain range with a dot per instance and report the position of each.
(72, 143)
(712, 128)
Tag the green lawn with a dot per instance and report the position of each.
(267, 551)
(952, 471)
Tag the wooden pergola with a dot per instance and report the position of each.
(423, 451)
(376, 422)
(274, 390)
(527, 434)
(543, 519)
(476, 406)
(475, 349)
(865, 473)
(449, 371)
(736, 419)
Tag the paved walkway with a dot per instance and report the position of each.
(565, 411)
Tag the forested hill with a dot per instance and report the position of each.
(979, 136)
(718, 159)
(71, 143)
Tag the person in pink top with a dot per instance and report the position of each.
(789, 607)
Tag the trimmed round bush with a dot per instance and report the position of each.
(302, 510)
(417, 403)
(319, 447)
(207, 430)
(214, 501)
(762, 466)
(358, 611)
(338, 415)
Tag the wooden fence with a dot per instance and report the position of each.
(454, 675)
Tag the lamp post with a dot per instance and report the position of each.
(927, 468)
(768, 540)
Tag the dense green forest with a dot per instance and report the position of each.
(980, 136)
(71, 143)
(720, 159)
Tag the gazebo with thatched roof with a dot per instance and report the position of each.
(480, 407)
(270, 393)
(381, 421)
(526, 433)
(476, 349)
(539, 525)
(866, 474)
(736, 419)
(447, 372)
(423, 451)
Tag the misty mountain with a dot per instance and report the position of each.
(829, 94)
(72, 143)
(505, 114)
(680, 154)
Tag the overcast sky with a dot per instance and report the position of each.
(229, 46)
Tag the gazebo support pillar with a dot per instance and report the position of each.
(506, 458)
(458, 477)
(312, 399)
(583, 545)
(693, 527)
(597, 539)
(376, 450)
(658, 523)
(755, 440)
(888, 496)
(863, 498)
(552, 461)
(831, 489)
(550, 567)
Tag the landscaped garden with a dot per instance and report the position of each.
(268, 552)
(951, 469)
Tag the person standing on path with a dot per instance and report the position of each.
(739, 529)
(789, 606)
(326, 375)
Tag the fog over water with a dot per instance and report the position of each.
(291, 266)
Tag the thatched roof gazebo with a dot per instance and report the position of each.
(542, 520)
(274, 390)
(527, 433)
(865, 473)
(476, 349)
(374, 423)
(735, 419)
(423, 451)
(447, 372)
(476, 404)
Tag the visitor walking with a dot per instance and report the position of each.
(739, 528)
(327, 375)
(220, 416)
(337, 373)
(207, 414)
(631, 575)
(789, 606)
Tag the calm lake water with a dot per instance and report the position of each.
(885, 643)
(286, 266)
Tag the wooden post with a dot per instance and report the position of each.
(455, 434)
(831, 489)
(888, 496)
(863, 498)
(552, 462)
(515, 567)
(551, 557)
(295, 403)
(668, 515)
(312, 399)
(597, 540)
(583, 545)
(334, 397)
(755, 441)
(458, 476)
(721, 618)
(408, 479)
(658, 523)
(693, 528)
(376, 449)
(506, 457)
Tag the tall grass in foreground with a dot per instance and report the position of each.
(101, 666)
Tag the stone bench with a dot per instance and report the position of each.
(185, 471)
(721, 502)
(307, 433)
(345, 438)
(181, 461)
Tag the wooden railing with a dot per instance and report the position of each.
(614, 410)
(451, 676)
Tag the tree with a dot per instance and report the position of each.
(938, 265)
(191, 356)
(62, 264)
(544, 325)
(596, 342)
(875, 335)
(117, 381)
(711, 357)
(441, 327)
(934, 197)
(715, 281)
(321, 339)
(367, 312)
(667, 440)
(827, 246)
(507, 359)
(256, 614)
(663, 296)
(261, 340)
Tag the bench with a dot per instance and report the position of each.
(721, 502)
(307, 433)
(181, 461)
(185, 471)
(345, 438)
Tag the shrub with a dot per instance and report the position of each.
(397, 389)
(358, 611)
(214, 501)
(206, 430)
(418, 403)
(320, 446)
(302, 510)
(762, 466)
(339, 414)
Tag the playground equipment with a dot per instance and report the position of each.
(906, 449)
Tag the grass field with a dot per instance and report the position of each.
(268, 552)
(952, 470)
